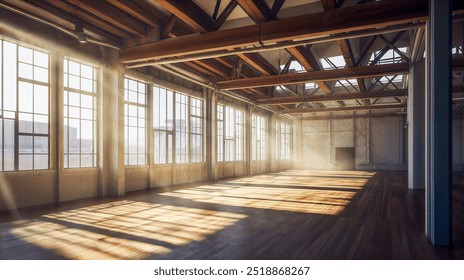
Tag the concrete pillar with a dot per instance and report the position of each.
(272, 156)
(150, 137)
(297, 145)
(248, 131)
(416, 126)
(111, 126)
(438, 120)
(211, 134)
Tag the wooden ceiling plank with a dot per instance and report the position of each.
(112, 15)
(87, 17)
(190, 13)
(332, 97)
(142, 14)
(352, 18)
(225, 14)
(316, 76)
(344, 109)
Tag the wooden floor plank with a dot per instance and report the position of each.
(296, 214)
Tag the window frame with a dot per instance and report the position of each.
(128, 104)
(230, 133)
(259, 137)
(34, 65)
(284, 140)
(176, 134)
(95, 97)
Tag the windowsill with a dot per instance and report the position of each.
(21, 173)
(80, 169)
(183, 163)
(142, 166)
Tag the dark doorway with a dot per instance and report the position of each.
(344, 158)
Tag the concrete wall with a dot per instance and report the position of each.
(259, 166)
(378, 142)
(136, 178)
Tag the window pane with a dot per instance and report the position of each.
(25, 71)
(40, 161)
(40, 99)
(40, 145)
(41, 124)
(135, 123)
(25, 97)
(80, 136)
(41, 59)
(41, 74)
(25, 162)
(9, 145)
(25, 123)
(25, 55)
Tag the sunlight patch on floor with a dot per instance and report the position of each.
(318, 192)
(122, 230)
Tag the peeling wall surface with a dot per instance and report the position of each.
(378, 142)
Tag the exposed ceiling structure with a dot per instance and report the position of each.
(297, 56)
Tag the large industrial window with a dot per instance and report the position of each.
(135, 122)
(283, 140)
(258, 137)
(80, 115)
(230, 125)
(178, 122)
(163, 124)
(196, 129)
(24, 108)
(182, 147)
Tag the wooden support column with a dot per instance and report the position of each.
(416, 127)
(438, 119)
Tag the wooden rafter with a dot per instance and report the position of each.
(169, 26)
(344, 109)
(258, 62)
(309, 62)
(331, 97)
(276, 8)
(325, 75)
(225, 14)
(88, 18)
(62, 18)
(257, 10)
(352, 18)
(329, 4)
(190, 13)
(112, 15)
(144, 14)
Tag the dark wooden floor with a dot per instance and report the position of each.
(286, 215)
